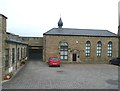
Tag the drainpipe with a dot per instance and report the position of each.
(118, 36)
(16, 57)
(44, 49)
(119, 29)
(119, 46)
(26, 55)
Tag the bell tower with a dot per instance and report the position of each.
(60, 23)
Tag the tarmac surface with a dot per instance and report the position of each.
(38, 75)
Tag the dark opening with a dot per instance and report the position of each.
(74, 57)
(35, 54)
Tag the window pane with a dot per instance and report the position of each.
(109, 49)
(13, 55)
(6, 58)
(63, 50)
(61, 57)
(66, 53)
(88, 48)
(99, 48)
(61, 53)
(65, 57)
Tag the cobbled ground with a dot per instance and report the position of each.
(38, 75)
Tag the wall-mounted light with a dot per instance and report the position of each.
(77, 42)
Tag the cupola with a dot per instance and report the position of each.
(60, 23)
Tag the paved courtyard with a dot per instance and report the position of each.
(37, 75)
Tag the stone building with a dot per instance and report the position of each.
(80, 45)
(2, 41)
(70, 44)
(35, 47)
(13, 50)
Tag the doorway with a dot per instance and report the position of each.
(35, 53)
(74, 57)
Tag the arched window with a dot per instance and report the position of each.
(63, 50)
(99, 48)
(109, 49)
(88, 48)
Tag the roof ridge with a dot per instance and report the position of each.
(111, 32)
(86, 29)
(48, 31)
(85, 32)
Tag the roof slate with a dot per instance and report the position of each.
(79, 32)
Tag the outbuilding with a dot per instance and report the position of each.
(80, 45)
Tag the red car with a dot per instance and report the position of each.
(54, 61)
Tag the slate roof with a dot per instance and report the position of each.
(80, 32)
(14, 39)
(3, 16)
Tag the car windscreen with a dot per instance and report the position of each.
(55, 59)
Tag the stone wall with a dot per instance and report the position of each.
(77, 44)
(2, 43)
(34, 41)
(20, 52)
(9, 41)
(17, 58)
(1, 47)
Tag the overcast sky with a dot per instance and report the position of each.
(35, 17)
